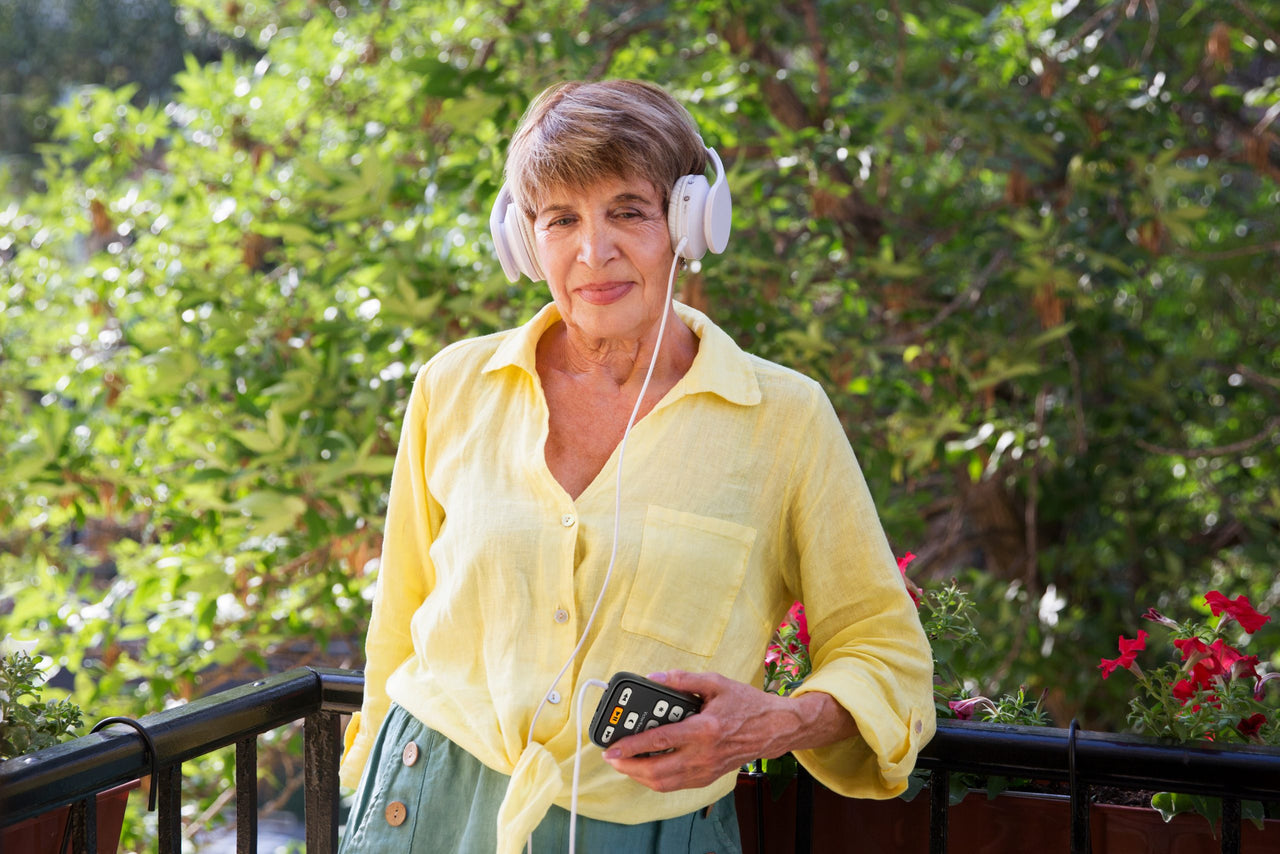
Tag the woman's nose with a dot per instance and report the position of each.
(597, 246)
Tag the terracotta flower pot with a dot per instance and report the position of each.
(1012, 823)
(42, 834)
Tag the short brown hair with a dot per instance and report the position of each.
(575, 134)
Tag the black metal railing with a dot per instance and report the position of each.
(158, 745)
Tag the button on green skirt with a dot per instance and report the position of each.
(423, 794)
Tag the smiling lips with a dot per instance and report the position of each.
(603, 293)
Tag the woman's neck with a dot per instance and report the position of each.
(621, 362)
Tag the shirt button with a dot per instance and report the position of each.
(410, 754)
(561, 615)
(553, 697)
(567, 520)
(396, 813)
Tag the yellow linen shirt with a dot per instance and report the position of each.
(740, 494)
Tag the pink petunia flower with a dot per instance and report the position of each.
(964, 709)
(1156, 617)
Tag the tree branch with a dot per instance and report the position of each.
(1272, 428)
(969, 296)
(862, 219)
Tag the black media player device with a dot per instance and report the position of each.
(633, 704)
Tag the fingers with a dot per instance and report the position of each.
(705, 685)
(664, 761)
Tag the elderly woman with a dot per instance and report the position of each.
(615, 486)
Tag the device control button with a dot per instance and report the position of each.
(608, 735)
(553, 697)
(677, 712)
(624, 697)
(632, 719)
(568, 520)
(410, 754)
(561, 615)
(396, 813)
(660, 708)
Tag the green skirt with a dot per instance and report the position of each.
(423, 794)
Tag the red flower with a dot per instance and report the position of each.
(1204, 671)
(796, 615)
(1239, 609)
(1129, 650)
(1233, 662)
(917, 595)
(1184, 691)
(1250, 726)
(1191, 646)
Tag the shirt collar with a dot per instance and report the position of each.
(720, 367)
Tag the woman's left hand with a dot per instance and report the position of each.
(737, 723)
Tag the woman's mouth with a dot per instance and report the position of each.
(604, 293)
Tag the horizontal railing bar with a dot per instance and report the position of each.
(59, 775)
(340, 690)
(33, 784)
(1109, 759)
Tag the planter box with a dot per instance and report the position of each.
(42, 834)
(1012, 823)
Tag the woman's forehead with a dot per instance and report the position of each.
(608, 189)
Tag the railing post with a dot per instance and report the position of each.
(322, 742)
(247, 796)
(1080, 841)
(1230, 825)
(169, 820)
(804, 813)
(939, 803)
(82, 826)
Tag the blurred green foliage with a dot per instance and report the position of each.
(1029, 248)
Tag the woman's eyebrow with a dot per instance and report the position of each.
(557, 208)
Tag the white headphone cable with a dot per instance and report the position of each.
(613, 554)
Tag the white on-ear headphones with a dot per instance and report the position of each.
(699, 213)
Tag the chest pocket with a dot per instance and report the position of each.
(690, 570)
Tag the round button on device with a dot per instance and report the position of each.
(410, 753)
(396, 813)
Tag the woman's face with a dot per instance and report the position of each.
(607, 255)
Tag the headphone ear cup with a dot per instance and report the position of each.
(527, 249)
(513, 239)
(717, 218)
(685, 216)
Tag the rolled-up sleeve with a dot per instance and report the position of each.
(868, 649)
